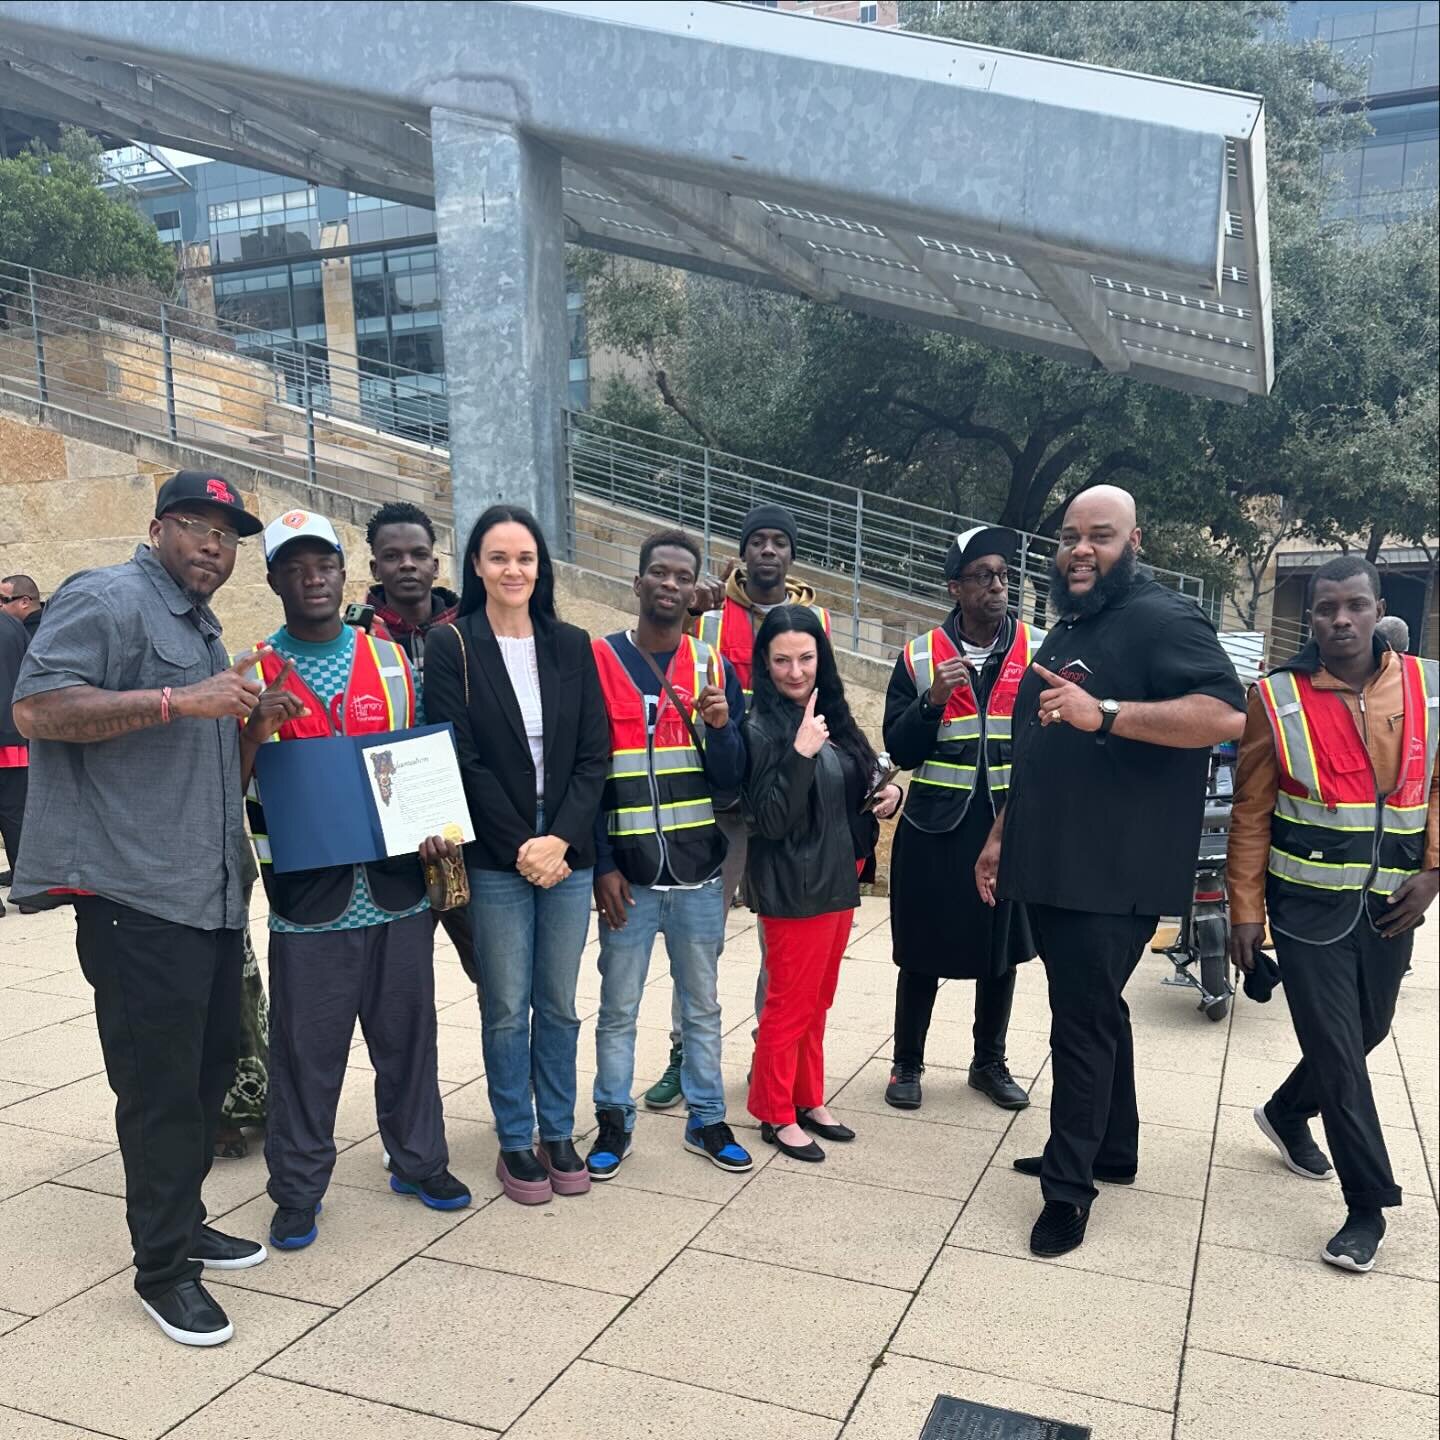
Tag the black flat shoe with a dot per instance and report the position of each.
(841, 1133)
(811, 1152)
(998, 1085)
(1030, 1165)
(1060, 1229)
(188, 1314)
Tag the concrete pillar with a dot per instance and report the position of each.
(339, 298)
(500, 228)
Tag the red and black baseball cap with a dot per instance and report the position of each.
(204, 487)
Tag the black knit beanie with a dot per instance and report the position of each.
(769, 517)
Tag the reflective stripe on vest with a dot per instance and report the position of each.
(730, 632)
(1330, 831)
(953, 763)
(657, 801)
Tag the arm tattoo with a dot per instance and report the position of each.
(82, 713)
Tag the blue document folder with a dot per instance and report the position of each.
(318, 804)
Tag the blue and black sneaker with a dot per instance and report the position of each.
(612, 1144)
(294, 1227)
(717, 1144)
(440, 1192)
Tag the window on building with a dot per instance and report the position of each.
(869, 14)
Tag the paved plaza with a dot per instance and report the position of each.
(793, 1303)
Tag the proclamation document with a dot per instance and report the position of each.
(415, 784)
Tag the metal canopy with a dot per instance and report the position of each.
(1090, 215)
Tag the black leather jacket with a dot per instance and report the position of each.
(801, 860)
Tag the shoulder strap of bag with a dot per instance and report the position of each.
(464, 660)
(674, 700)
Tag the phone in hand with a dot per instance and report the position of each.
(362, 617)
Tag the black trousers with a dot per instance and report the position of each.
(1089, 958)
(14, 783)
(167, 1006)
(915, 1001)
(1342, 999)
(320, 983)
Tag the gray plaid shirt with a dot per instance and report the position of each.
(152, 819)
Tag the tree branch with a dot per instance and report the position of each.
(662, 384)
(961, 427)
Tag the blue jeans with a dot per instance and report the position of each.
(527, 950)
(693, 924)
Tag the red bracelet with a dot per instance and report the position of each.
(165, 705)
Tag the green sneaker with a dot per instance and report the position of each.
(665, 1092)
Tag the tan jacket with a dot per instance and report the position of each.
(1257, 778)
(796, 593)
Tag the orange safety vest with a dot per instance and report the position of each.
(730, 631)
(657, 801)
(941, 788)
(1332, 835)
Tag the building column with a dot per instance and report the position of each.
(500, 228)
(338, 295)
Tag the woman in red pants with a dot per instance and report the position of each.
(811, 839)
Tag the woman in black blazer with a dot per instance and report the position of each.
(523, 694)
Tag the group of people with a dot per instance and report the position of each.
(707, 750)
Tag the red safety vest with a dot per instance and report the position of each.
(657, 801)
(730, 631)
(941, 788)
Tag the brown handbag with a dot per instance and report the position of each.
(446, 884)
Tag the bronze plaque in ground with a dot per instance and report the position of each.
(952, 1419)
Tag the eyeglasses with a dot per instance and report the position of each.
(986, 578)
(199, 530)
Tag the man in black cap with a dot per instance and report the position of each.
(947, 720)
(753, 588)
(131, 705)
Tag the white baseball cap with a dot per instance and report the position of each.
(298, 525)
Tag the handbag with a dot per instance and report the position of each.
(447, 886)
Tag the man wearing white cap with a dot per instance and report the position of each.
(346, 941)
(947, 719)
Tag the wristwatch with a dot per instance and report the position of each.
(1109, 709)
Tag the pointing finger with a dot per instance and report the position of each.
(247, 661)
(278, 683)
(1049, 675)
(810, 703)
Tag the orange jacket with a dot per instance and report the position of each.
(1257, 777)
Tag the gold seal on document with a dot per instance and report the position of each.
(453, 833)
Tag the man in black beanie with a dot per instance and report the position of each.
(761, 581)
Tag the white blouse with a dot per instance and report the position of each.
(520, 665)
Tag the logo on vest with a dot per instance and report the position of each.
(365, 709)
(1011, 674)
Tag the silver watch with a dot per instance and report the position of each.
(1109, 709)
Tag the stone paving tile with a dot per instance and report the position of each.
(16, 1426)
(1134, 1233)
(660, 1163)
(1218, 1395)
(230, 1182)
(29, 1156)
(600, 1402)
(364, 1235)
(951, 1046)
(120, 1375)
(904, 1154)
(1162, 1101)
(10, 1092)
(71, 983)
(1307, 1315)
(775, 1335)
(1312, 1214)
(429, 1362)
(261, 1406)
(902, 1391)
(93, 1246)
(1099, 1335)
(1250, 1082)
(1172, 1162)
(833, 1227)
(53, 1055)
(1192, 1046)
(1277, 1044)
(85, 1108)
(949, 1100)
(611, 1240)
(9, 1321)
(16, 974)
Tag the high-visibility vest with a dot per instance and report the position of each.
(941, 788)
(1332, 835)
(730, 632)
(657, 801)
(379, 695)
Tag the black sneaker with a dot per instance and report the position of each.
(718, 1145)
(439, 1192)
(217, 1251)
(1030, 1165)
(997, 1084)
(1060, 1228)
(1356, 1243)
(903, 1091)
(1293, 1140)
(612, 1145)
(6, 877)
(294, 1227)
(188, 1315)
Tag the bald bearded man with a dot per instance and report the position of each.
(1101, 828)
